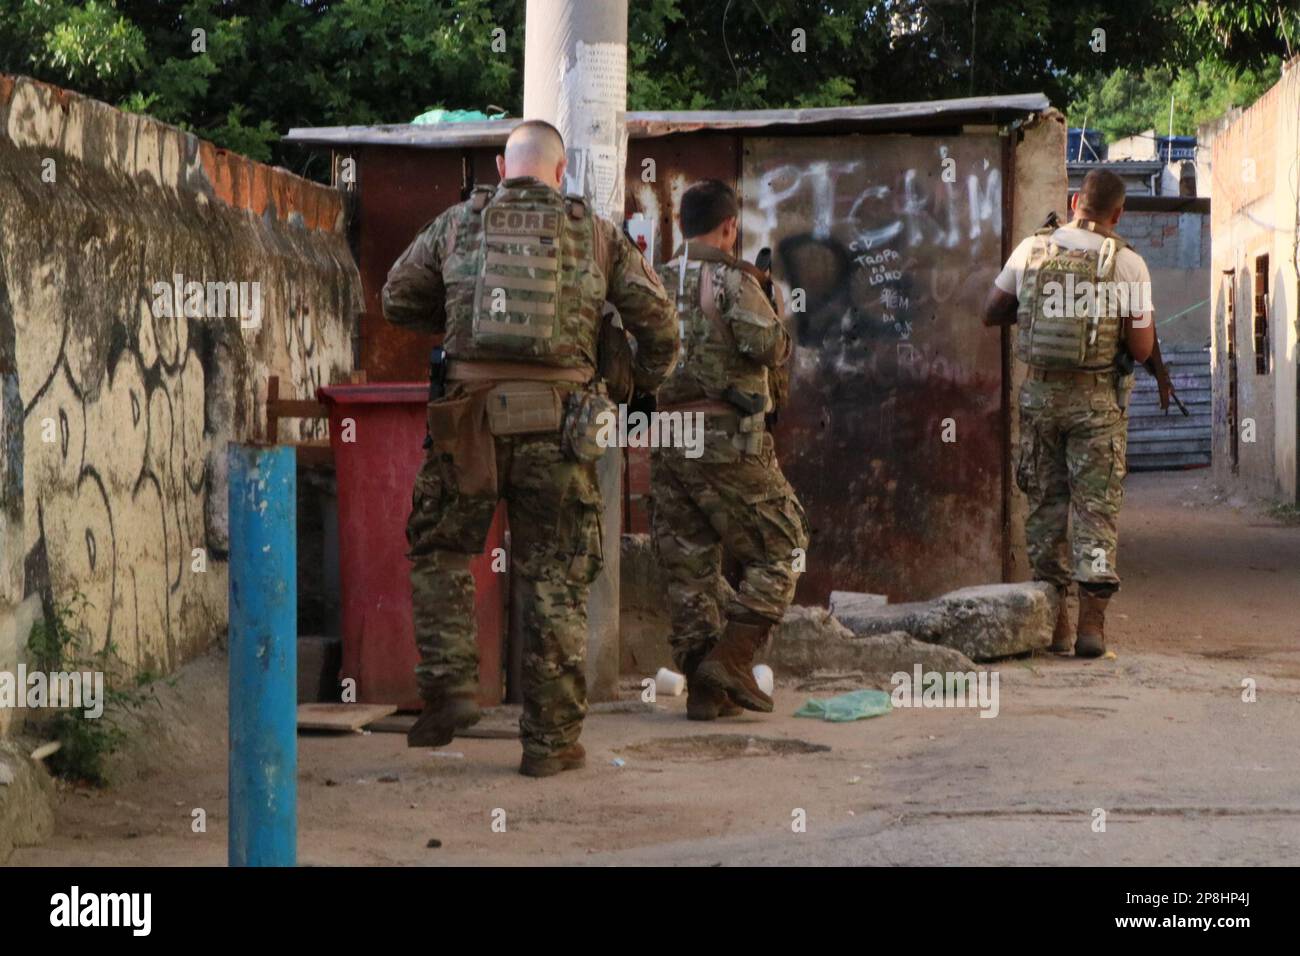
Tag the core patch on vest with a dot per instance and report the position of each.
(518, 293)
(504, 222)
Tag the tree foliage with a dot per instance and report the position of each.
(1127, 101)
(260, 67)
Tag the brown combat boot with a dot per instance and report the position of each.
(441, 718)
(573, 757)
(1062, 634)
(704, 701)
(1091, 641)
(728, 665)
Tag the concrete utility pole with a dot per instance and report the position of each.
(575, 76)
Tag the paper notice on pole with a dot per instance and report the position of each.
(593, 98)
(603, 173)
(603, 69)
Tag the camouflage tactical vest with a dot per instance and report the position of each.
(1069, 316)
(709, 361)
(531, 288)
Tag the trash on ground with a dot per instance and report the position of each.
(669, 683)
(856, 705)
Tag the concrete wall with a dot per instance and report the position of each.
(1256, 168)
(1176, 246)
(115, 416)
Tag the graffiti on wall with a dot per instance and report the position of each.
(117, 412)
(884, 262)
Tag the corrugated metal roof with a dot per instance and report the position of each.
(643, 125)
(1122, 165)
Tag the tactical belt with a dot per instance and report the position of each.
(1077, 376)
(459, 370)
(706, 405)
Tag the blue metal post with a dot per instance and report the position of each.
(263, 656)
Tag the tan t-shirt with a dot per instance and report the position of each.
(1129, 266)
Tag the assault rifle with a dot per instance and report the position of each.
(1155, 364)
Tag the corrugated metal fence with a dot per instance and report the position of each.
(1163, 442)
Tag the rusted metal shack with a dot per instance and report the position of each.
(893, 221)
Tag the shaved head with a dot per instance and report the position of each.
(534, 148)
(1101, 194)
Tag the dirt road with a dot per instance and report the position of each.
(1159, 739)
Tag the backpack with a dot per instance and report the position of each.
(1059, 330)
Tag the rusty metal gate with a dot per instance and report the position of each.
(894, 438)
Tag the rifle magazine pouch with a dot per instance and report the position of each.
(458, 434)
(586, 413)
(523, 408)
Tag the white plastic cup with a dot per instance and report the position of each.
(765, 679)
(669, 683)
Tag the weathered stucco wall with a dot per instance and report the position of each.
(1256, 164)
(115, 415)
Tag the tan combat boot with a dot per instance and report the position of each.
(728, 666)
(705, 701)
(573, 757)
(1062, 634)
(1091, 641)
(441, 718)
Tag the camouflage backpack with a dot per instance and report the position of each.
(1059, 329)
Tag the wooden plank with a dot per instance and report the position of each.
(401, 723)
(343, 718)
(296, 408)
(393, 724)
(272, 396)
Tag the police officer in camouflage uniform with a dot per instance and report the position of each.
(515, 278)
(732, 499)
(1073, 403)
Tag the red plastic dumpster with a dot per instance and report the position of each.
(376, 465)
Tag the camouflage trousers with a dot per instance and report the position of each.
(553, 506)
(703, 510)
(1071, 467)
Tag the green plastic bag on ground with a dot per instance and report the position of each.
(856, 705)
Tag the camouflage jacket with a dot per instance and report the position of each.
(740, 348)
(431, 288)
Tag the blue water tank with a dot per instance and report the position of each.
(1094, 146)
